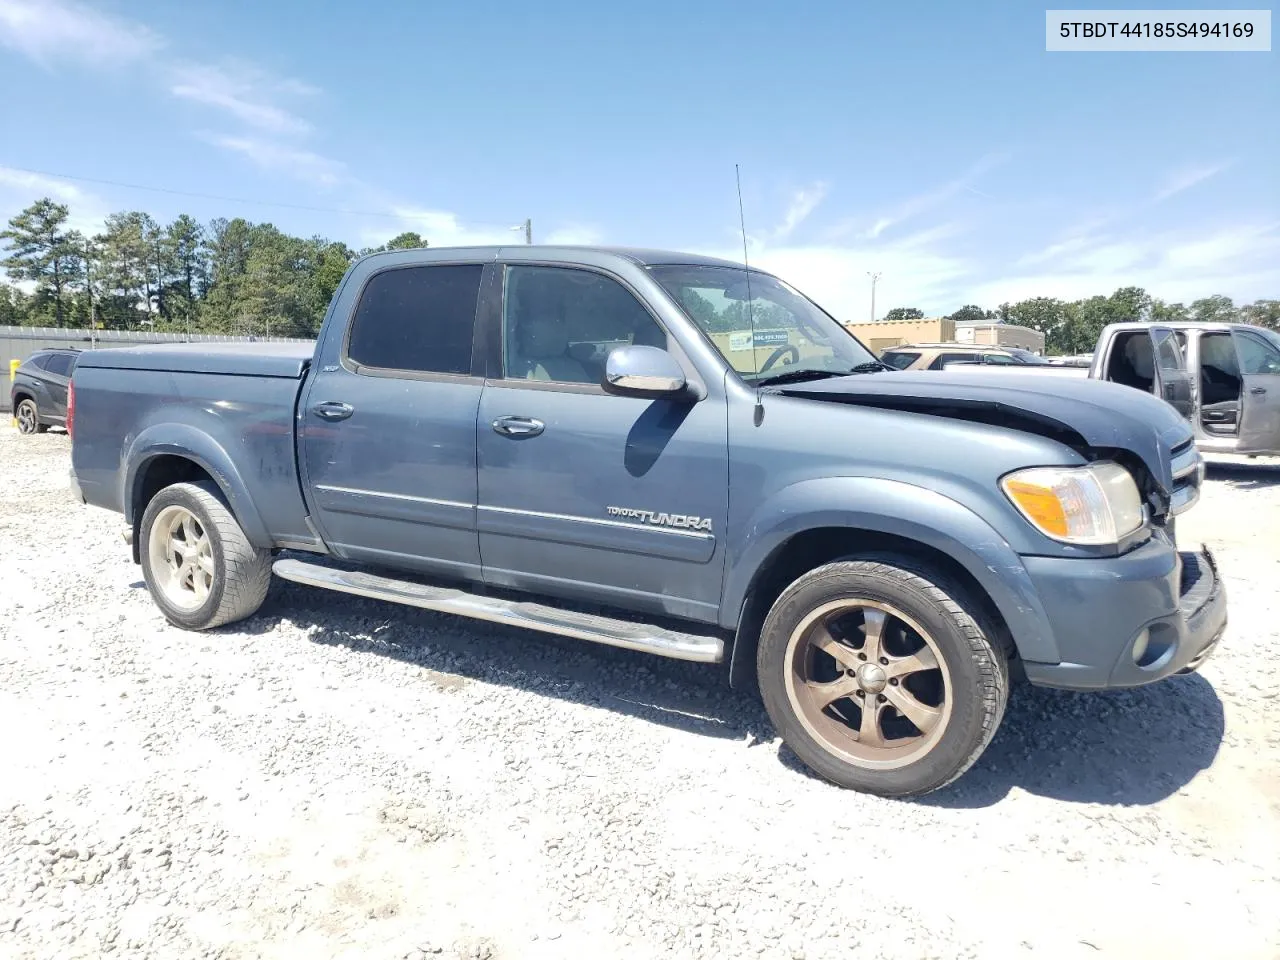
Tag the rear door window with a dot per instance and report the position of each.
(59, 364)
(417, 319)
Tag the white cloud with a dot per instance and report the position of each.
(803, 202)
(37, 184)
(19, 189)
(245, 92)
(1239, 261)
(1188, 177)
(575, 235)
(300, 164)
(932, 199)
(53, 30)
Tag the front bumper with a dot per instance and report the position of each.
(1131, 620)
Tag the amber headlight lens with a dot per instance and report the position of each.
(1096, 504)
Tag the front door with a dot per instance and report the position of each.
(584, 494)
(387, 428)
(1173, 379)
(1260, 394)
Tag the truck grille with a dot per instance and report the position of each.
(1188, 474)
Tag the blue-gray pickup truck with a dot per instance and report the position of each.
(677, 455)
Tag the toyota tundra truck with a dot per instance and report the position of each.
(677, 455)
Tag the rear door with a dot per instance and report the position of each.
(57, 375)
(1173, 380)
(387, 425)
(1260, 399)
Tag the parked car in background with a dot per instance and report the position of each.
(545, 437)
(934, 356)
(38, 396)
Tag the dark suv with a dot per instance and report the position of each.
(39, 392)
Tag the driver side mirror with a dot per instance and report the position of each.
(640, 371)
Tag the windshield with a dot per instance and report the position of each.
(783, 332)
(1026, 356)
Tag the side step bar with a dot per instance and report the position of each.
(533, 616)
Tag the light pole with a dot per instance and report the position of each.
(874, 277)
(527, 227)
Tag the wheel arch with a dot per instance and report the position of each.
(817, 522)
(174, 453)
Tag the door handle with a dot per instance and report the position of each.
(333, 410)
(518, 426)
(1258, 391)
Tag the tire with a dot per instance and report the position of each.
(199, 566)
(813, 648)
(28, 416)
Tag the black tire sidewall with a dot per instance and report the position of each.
(199, 617)
(965, 729)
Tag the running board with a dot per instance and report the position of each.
(533, 616)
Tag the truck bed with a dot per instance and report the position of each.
(228, 406)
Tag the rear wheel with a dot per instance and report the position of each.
(200, 568)
(28, 417)
(880, 677)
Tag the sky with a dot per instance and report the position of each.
(937, 144)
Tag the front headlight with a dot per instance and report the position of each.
(1094, 504)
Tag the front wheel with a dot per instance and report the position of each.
(200, 568)
(880, 676)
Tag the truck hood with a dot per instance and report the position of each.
(1087, 415)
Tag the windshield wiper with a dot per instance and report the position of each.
(796, 376)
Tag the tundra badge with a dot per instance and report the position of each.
(680, 520)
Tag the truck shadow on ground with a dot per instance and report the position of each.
(1245, 475)
(1123, 748)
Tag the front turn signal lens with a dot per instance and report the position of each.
(1096, 504)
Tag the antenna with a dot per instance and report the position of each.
(746, 267)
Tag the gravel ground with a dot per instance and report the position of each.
(346, 778)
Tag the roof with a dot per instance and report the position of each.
(570, 253)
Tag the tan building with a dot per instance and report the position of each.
(1000, 335)
(892, 333)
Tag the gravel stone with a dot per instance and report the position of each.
(337, 777)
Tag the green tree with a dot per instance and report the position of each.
(409, 240)
(1049, 316)
(1262, 313)
(41, 250)
(227, 245)
(904, 313)
(970, 313)
(1214, 309)
(1162, 312)
(332, 262)
(13, 306)
(184, 245)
